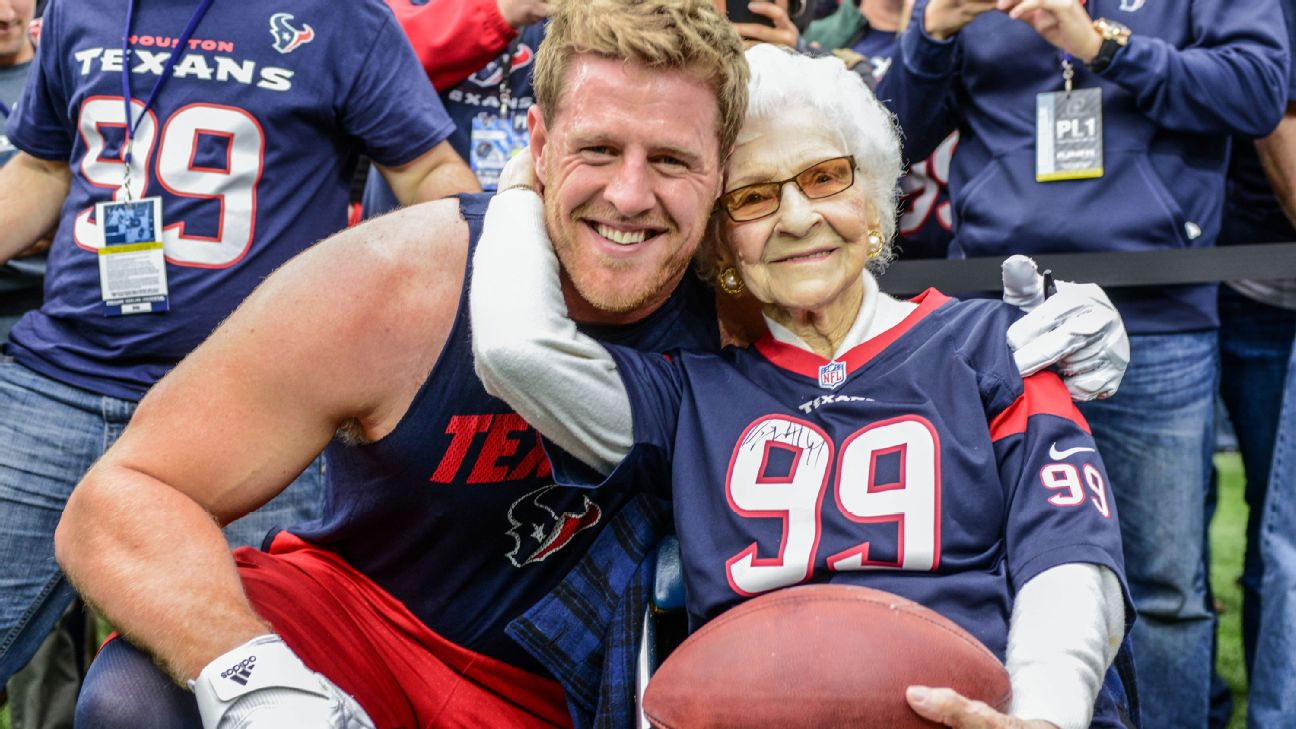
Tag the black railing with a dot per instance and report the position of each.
(1150, 268)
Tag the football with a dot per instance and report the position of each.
(819, 656)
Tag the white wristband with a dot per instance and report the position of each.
(282, 684)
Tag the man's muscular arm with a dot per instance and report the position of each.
(345, 332)
(32, 191)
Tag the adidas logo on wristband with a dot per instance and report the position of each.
(240, 672)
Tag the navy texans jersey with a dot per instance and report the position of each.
(455, 512)
(250, 145)
(920, 463)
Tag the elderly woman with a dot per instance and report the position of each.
(864, 440)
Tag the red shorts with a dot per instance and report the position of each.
(368, 643)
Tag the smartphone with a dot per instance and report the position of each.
(738, 13)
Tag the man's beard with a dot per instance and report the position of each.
(614, 299)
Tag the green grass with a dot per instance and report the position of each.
(1228, 537)
(1228, 542)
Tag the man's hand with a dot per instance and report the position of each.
(1063, 23)
(784, 31)
(944, 18)
(1078, 329)
(262, 684)
(519, 13)
(947, 707)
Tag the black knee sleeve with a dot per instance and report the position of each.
(126, 690)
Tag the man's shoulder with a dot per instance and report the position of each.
(369, 310)
(410, 251)
(436, 222)
(382, 272)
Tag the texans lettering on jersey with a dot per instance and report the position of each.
(249, 144)
(934, 471)
(207, 60)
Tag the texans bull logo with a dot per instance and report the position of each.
(540, 523)
(287, 38)
(493, 74)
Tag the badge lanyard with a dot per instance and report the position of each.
(505, 94)
(1068, 68)
(1068, 128)
(4, 110)
(132, 258)
(180, 45)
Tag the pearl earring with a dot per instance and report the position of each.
(730, 282)
(875, 242)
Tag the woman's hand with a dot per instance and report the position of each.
(519, 172)
(948, 707)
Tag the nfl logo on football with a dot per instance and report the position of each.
(832, 375)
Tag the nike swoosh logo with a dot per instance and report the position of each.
(1058, 455)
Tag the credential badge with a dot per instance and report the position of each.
(832, 375)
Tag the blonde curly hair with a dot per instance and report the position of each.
(688, 35)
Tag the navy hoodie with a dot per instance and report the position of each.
(1193, 74)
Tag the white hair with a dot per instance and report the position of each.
(783, 80)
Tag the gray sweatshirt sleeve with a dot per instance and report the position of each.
(1067, 625)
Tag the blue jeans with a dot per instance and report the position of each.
(1255, 343)
(1155, 436)
(50, 434)
(1273, 674)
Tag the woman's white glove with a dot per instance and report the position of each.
(262, 684)
(1076, 329)
(519, 171)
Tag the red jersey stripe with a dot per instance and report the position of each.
(1043, 394)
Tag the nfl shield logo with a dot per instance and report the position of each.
(832, 375)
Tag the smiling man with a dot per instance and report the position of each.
(632, 190)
